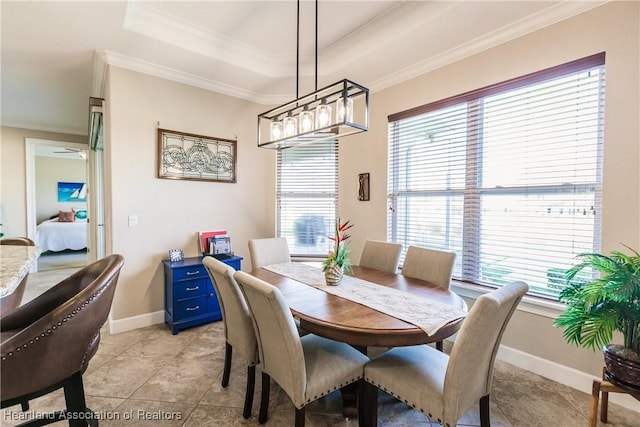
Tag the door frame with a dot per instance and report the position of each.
(30, 170)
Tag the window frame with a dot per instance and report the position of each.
(304, 193)
(467, 285)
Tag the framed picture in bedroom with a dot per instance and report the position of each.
(72, 192)
(196, 157)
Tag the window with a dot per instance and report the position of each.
(508, 176)
(307, 197)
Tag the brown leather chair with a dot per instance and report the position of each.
(9, 302)
(47, 343)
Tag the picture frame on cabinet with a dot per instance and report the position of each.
(176, 255)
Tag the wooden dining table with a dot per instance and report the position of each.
(343, 320)
(340, 319)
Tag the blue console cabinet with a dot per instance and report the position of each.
(189, 296)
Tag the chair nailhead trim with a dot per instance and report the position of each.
(334, 389)
(54, 327)
(400, 398)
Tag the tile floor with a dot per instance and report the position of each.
(149, 377)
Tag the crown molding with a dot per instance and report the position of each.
(144, 67)
(166, 27)
(550, 16)
(144, 19)
(42, 128)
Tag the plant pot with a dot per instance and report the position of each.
(333, 275)
(622, 365)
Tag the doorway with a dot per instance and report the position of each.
(57, 179)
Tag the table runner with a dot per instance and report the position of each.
(424, 313)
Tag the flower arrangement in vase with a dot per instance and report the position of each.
(337, 262)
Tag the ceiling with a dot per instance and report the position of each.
(54, 53)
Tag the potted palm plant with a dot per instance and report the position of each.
(599, 307)
(337, 262)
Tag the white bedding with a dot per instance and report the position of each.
(57, 236)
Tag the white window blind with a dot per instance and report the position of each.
(508, 177)
(307, 197)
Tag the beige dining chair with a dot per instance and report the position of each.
(444, 387)
(268, 251)
(306, 368)
(380, 255)
(429, 265)
(238, 327)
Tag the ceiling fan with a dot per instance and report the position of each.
(80, 151)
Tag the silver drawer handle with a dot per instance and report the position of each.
(193, 308)
(192, 289)
(191, 273)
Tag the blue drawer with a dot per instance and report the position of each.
(190, 308)
(191, 288)
(190, 272)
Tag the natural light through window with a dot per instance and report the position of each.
(508, 177)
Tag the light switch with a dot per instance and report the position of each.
(133, 220)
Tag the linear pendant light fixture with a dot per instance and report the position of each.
(334, 111)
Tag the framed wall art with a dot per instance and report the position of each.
(72, 192)
(203, 158)
(363, 187)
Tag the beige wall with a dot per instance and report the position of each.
(171, 212)
(13, 198)
(50, 171)
(613, 28)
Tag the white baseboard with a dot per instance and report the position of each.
(135, 322)
(568, 376)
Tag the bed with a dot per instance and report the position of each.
(54, 235)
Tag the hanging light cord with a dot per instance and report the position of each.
(298, 50)
(316, 87)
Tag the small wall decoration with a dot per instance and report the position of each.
(363, 187)
(196, 157)
(176, 255)
(72, 192)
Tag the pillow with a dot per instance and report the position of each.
(80, 213)
(66, 216)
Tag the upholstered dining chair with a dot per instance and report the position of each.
(47, 343)
(268, 251)
(9, 302)
(429, 265)
(380, 255)
(444, 387)
(238, 326)
(306, 368)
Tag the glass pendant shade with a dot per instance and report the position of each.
(344, 110)
(323, 115)
(290, 125)
(306, 121)
(276, 130)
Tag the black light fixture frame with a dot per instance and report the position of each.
(343, 89)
